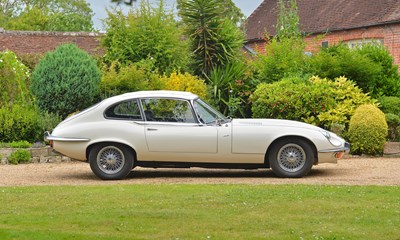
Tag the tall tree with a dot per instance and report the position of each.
(215, 38)
(46, 15)
(288, 20)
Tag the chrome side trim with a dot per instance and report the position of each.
(48, 137)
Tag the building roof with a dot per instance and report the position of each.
(317, 16)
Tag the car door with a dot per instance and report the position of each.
(172, 127)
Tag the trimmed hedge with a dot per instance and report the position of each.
(367, 130)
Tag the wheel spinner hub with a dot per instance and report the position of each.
(291, 157)
(110, 159)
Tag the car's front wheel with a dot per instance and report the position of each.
(111, 161)
(291, 158)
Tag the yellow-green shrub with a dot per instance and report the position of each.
(367, 130)
(184, 82)
(118, 79)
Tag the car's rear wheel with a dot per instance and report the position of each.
(291, 158)
(111, 161)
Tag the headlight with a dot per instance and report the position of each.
(332, 138)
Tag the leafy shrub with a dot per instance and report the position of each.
(318, 101)
(292, 98)
(347, 97)
(118, 79)
(283, 58)
(19, 156)
(370, 67)
(20, 123)
(387, 82)
(147, 33)
(184, 82)
(66, 80)
(367, 130)
(391, 107)
(393, 121)
(13, 80)
(19, 144)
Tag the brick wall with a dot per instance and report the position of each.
(41, 42)
(389, 33)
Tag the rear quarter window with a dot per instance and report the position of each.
(127, 110)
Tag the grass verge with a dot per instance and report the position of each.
(200, 212)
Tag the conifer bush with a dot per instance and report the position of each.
(367, 130)
(66, 80)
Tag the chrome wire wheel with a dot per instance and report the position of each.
(110, 160)
(291, 157)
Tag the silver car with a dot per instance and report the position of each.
(178, 129)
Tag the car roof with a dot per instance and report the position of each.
(152, 94)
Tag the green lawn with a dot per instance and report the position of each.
(200, 212)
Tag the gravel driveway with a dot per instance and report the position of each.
(352, 171)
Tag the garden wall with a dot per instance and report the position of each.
(28, 42)
(38, 155)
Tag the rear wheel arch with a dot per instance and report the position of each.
(90, 147)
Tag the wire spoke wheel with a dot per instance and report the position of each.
(110, 160)
(291, 157)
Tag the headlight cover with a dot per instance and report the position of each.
(332, 138)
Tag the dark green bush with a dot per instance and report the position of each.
(367, 130)
(391, 107)
(19, 156)
(66, 80)
(292, 98)
(370, 67)
(387, 82)
(393, 121)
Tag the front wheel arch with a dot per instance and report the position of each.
(276, 141)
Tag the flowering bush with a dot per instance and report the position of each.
(14, 76)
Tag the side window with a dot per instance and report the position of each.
(124, 110)
(168, 110)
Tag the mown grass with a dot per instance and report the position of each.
(200, 212)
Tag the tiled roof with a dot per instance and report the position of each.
(325, 15)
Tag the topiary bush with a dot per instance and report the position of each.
(367, 130)
(19, 156)
(184, 82)
(66, 80)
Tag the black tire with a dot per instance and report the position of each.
(291, 158)
(111, 161)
